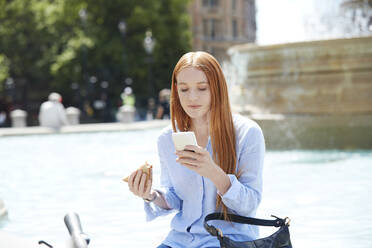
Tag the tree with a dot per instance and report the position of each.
(46, 45)
(25, 42)
(102, 52)
(4, 70)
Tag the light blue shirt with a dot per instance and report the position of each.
(193, 196)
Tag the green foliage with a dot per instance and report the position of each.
(26, 42)
(4, 70)
(48, 46)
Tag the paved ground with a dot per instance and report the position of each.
(101, 127)
(282, 132)
(10, 240)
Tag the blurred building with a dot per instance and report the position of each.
(219, 24)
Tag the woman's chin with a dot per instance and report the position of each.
(195, 114)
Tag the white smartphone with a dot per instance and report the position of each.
(182, 139)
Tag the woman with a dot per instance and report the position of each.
(224, 173)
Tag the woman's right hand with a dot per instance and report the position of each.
(140, 185)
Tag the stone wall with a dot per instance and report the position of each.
(283, 132)
(317, 77)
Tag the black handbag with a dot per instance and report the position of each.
(279, 239)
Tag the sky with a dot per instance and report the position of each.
(293, 20)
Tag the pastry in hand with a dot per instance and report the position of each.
(146, 168)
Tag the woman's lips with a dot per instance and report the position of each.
(194, 106)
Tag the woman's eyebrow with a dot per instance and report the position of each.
(196, 83)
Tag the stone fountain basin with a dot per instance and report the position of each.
(346, 132)
(315, 94)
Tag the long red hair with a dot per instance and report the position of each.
(221, 128)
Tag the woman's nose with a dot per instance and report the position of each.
(193, 95)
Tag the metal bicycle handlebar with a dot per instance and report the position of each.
(73, 224)
(79, 239)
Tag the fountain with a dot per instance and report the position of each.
(312, 91)
(311, 95)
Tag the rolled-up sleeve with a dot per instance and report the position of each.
(173, 201)
(244, 194)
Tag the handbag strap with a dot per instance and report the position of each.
(278, 222)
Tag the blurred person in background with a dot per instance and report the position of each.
(4, 113)
(52, 113)
(151, 109)
(128, 97)
(163, 106)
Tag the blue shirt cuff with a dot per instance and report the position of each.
(233, 191)
(152, 210)
(241, 199)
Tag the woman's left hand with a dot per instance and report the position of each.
(199, 161)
